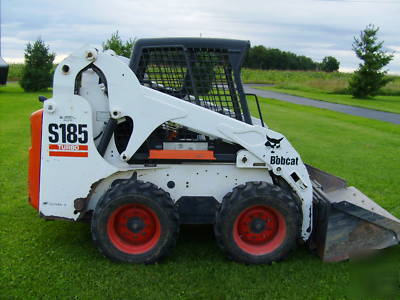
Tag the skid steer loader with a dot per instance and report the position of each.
(168, 140)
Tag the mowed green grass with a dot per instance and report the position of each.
(380, 102)
(56, 259)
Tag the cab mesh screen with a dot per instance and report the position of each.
(202, 76)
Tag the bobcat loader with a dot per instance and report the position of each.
(167, 140)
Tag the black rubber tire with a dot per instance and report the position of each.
(257, 194)
(141, 193)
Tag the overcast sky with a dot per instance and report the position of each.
(315, 28)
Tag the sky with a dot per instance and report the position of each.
(315, 28)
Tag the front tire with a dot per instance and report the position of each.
(135, 222)
(258, 223)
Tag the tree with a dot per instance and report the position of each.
(263, 58)
(256, 58)
(115, 43)
(37, 71)
(329, 64)
(369, 78)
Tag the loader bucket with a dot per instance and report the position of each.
(346, 222)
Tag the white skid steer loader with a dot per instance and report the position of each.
(169, 140)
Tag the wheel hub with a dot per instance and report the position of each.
(257, 225)
(134, 228)
(135, 224)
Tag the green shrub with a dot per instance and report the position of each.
(15, 72)
(369, 78)
(330, 64)
(122, 48)
(37, 71)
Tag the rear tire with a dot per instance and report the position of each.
(135, 222)
(258, 223)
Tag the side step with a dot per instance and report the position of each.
(346, 222)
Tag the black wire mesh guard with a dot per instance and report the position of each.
(203, 76)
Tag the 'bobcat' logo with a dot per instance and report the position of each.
(273, 143)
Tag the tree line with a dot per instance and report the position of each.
(366, 81)
(260, 57)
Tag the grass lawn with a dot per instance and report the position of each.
(56, 259)
(330, 87)
(334, 82)
(384, 103)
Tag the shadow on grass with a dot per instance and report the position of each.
(195, 243)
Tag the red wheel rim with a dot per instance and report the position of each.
(259, 230)
(134, 228)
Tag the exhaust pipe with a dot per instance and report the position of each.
(346, 222)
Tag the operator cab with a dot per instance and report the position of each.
(203, 71)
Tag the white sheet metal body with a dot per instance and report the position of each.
(64, 179)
